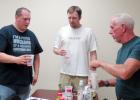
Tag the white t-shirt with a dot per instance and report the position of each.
(78, 43)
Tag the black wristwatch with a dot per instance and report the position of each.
(106, 83)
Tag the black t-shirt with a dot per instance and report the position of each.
(13, 42)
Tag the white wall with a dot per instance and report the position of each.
(49, 15)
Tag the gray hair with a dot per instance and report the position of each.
(126, 19)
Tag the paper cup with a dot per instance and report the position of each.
(30, 62)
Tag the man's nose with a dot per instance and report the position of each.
(71, 20)
(110, 32)
(27, 21)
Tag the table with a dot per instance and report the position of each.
(47, 94)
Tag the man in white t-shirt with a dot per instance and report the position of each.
(77, 46)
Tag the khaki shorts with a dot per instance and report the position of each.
(72, 80)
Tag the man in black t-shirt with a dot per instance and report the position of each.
(17, 43)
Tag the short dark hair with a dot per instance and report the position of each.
(73, 9)
(19, 10)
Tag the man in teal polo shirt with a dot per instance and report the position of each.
(127, 67)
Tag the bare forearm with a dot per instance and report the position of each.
(5, 58)
(36, 64)
(108, 67)
(93, 55)
(113, 69)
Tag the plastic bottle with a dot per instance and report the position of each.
(60, 87)
(68, 95)
(80, 90)
(87, 93)
(59, 95)
(93, 78)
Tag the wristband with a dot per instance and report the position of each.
(106, 83)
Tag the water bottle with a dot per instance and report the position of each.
(87, 93)
(80, 90)
(93, 79)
